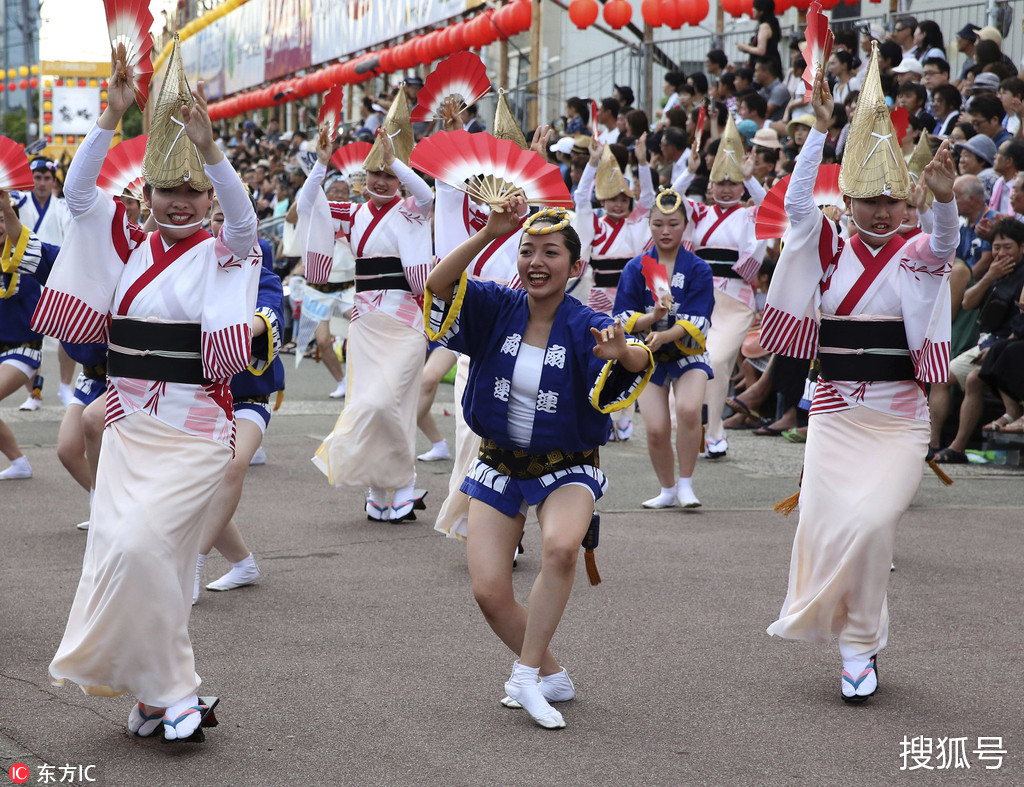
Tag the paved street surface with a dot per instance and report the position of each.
(362, 659)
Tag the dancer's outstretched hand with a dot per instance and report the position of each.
(611, 342)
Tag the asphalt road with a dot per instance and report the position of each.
(362, 659)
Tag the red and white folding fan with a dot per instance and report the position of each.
(15, 173)
(490, 170)
(818, 47)
(771, 220)
(129, 23)
(330, 114)
(122, 169)
(655, 276)
(698, 134)
(348, 160)
(462, 76)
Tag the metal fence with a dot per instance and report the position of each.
(597, 76)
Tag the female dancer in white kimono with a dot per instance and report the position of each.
(374, 442)
(179, 307)
(883, 332)
(722, 234)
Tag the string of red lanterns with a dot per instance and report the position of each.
(484, 29)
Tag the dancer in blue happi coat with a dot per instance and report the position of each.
(544, 373)
(666, 297)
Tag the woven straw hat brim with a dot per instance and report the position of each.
(729, 157)
(873, 163)
(398, 126)
(171, 157)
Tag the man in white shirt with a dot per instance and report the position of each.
(608, 117)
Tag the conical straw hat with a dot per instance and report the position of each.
(730, 155)
(920, 159)
(171, 158)
(872, 162)
(610, 181)
(505, 126)
(398, 126)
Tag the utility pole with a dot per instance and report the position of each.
(534, 64)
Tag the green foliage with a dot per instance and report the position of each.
(16, 126)
(131, 123)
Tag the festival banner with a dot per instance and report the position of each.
(244, 63)
(288, 36)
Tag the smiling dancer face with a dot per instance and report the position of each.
(549, 255)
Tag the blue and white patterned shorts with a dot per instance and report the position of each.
(512, 496)
(24, 359)
(88, 390)
(257, 412)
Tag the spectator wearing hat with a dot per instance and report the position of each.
(966, 38)
(986, 114)
(909, 70)
(797, 130)
(748, 130)
(976, 157)
(766, 138)
(946, 102)
(1011, 94)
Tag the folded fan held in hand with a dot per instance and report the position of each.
(129, 23)
(490, 170)
(818, 47)
(330, 114)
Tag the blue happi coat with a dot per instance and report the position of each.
(693, 299)
(487, 322)
(22, 280)
(265, 374)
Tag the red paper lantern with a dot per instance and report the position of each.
(33, 83)
(747, 7)
(618, 13)
(672, 13)
(104, 84)
(82, 83)
(523, 14)
(698, 11)
(828, 5)
(651, 12)
(3, 87)
(60, 83)
(457, 38)
(583, 13)
(485, 26)
(70, 140)
(12, 86)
